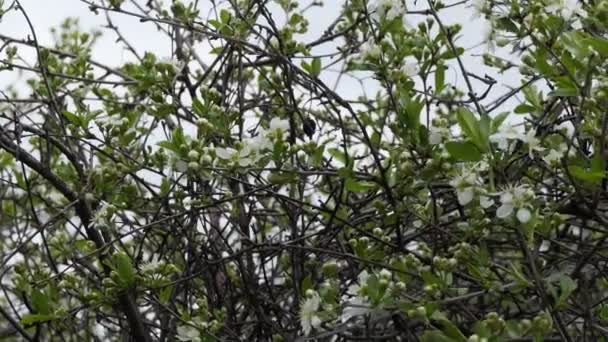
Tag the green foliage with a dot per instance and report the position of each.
(382, 178)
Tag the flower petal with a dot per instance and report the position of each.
(224, 153)
(485, 202)
(524, 215)
(504, 210)
(465, 196)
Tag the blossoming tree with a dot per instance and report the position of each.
(384, 180)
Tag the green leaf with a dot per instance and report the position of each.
(448, 328)
(124, 268)
(566, 286)
(282, 177)
(450, 54)
(497, 121)
(29, 319)
(463, 150)
(374, 289)
(468, 123)
(338, 154)
(439, 78)
(315, 67)
(165, 294)
(599, 44)
(41, 302)
(564, 92)
(598, 164)
(353, 185)
(435, 336)
(524, 108)
(198, 107)
(225, 16)
(74, 118)
(306, 285)
(585, 175)
(471, 128)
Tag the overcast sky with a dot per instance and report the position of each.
(46, 14)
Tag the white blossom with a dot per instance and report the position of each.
(188, 333)
(523, 215)
(387, 9)
(464, 184)
(555, 155)
(370, 49)
(487, 34)
(438, 134)
(410, 68)
(566, 8)
(308, 313)
(362, 280)
(505, 135)
(532, 141)
(478, 8)
(515, 197)
(485, 201)
(278, 125)
(355, 307)
(243, 156)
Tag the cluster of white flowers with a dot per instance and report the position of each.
(516, 199)
(507, 134)
(309, 308)
(104, 214)
(370, 49)
(188, 333)
(249, 154)
(410, 68)
(555, 155)
(468, 182)
(437, 134)
(479, 6)
(566, 8)
(389, 9)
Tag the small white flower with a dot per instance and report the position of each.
(279, 125)
(464, 186)
(532, 141)
(241, 157)
(274, 42)
(438, 134)
(504, 136)
(386, 9)
(485, 202)
(410, 68)
(151, 266)
(187, 333)
(308, 313)
(504, 210)
(181, 166)
(396, 9)
(488, 34)
(225, 153)
(566, 8)
(478, 8)
(355, 307)
(554, 156)
(362, 281)
(515, 197)
(370, 50)
(465, 196)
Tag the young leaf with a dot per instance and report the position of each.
(315, 67)
(124, 268)
(463, 150)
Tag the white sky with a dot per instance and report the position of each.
(48, 13)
